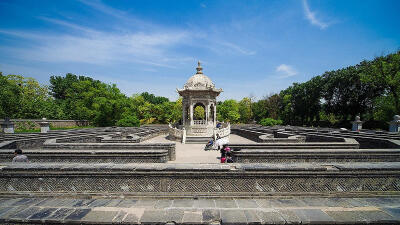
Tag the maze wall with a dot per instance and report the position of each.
(210, 179)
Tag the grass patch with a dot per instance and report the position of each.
(69, 128)
(27, 131)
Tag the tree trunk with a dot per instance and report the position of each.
(396, 102)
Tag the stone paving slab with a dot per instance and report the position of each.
(296, 210)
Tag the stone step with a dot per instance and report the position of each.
(298, 210)
(197, 140)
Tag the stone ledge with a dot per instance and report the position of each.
(337, 179)
(90, 156)
(299, 210)
(315, 155)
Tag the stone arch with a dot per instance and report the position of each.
(199, 114)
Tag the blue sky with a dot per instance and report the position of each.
(246, 47)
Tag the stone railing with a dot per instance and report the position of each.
(175, 133)
(160, 179)
(224, 131)
(199, 122)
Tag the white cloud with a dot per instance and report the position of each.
(95, 47)
(146, 43)
(285, 71)
(311, 16)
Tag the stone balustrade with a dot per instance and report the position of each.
(158, 179)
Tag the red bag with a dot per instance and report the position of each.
(223, 159)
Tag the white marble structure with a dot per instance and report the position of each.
(395, 124)
(199, 90)
(44, 126)
(7, 126)
(357, 124)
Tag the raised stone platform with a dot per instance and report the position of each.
(54, 145)
(157, 179)
(346, 143)
(298, 210)
(90, 156)
(315, 155)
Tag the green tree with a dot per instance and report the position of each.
(228, 111)
(245, 111)
(384, 73)
(10, 95)
(199, 113)
(128, 120)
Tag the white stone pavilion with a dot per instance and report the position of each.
(199, 90)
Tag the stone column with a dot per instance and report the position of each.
(215, 116)
(183, 114)
(207, 109)
(191, 115)
(44, 126)
(357, 124)
(395, 124)
(7, 126)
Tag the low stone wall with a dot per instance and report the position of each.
(202, 179)
(348, 143)
(175, 133)
(118, 139)
(90, 156)
(53, 144)
(36, 142)
(53, 123)
(249, 134)
(315, 155)
(271, 137)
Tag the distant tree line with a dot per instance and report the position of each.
(370, 89)
(82, 98)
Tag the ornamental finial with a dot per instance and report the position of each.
(199, 68)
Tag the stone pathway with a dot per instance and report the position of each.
(194, 153)
(296, 210)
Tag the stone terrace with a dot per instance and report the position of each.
(296, 210)
(304, 176)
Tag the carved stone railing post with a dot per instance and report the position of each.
(7, 126)
(357, 124)
(395, 124)
(44, 126)
(183, 136)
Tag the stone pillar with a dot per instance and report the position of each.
(357, 124)
(7, 126)
(395, 124)
(215, 116)
(183, 114)
(207, 109)
(191, 115)
(44, 126)
(183, 135)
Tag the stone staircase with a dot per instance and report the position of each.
(197, 139)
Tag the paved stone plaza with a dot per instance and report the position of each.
(194, 153)
(298, 210)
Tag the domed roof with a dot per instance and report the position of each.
(199, 80)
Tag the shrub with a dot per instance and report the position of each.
(270, 122)
(128, 121)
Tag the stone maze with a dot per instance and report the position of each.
(280, 175)
(162, 174)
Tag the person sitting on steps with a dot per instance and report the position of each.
(19, 158)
